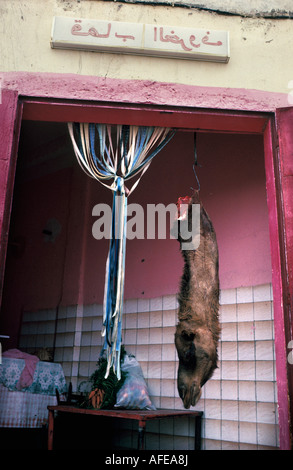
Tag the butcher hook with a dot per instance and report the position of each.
(195, 163)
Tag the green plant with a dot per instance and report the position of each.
(111, 385)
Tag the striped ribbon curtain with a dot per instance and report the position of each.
(112, 155)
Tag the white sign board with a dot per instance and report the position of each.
(140, 38)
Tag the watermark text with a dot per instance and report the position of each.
(157, 221)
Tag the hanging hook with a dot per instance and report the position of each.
(194, 146)
(197, 180)
(195, 163)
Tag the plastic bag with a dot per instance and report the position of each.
(133, 394)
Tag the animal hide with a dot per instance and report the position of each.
(198, 329)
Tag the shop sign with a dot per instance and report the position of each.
(140, 38)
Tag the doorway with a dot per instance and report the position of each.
(205, 121)
(51, 223)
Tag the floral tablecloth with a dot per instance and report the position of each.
(48, 376)
(24, 409)
(28, 408)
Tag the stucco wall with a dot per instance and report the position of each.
(260, 52)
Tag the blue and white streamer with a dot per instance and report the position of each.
(116, 153)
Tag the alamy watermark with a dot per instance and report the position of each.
(152, 223)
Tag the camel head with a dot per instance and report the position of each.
(197, 354)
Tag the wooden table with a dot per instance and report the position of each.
(142, 416)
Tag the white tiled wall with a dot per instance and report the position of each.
(239, 402)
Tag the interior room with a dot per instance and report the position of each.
(55, 276)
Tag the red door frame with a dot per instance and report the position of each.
(10, 122)
(204, 120)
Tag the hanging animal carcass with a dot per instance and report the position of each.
(198, 329)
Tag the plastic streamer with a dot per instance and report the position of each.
(112, 155)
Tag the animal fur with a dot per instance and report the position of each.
(198, 329)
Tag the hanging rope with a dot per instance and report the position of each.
(116, 153)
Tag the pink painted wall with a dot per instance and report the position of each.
(232, 179)
(94, 88)
(71, 269)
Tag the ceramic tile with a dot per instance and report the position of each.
(67, 355)
(229, 370)
(156, 336)
(76, 353)
(228, 296)
(229, 390)
(265, 392)
(266, 412)
(86, 339)
(262, 293)
(142, 352)
(70, 325)
(155, 352)
(245, 312)
(85, 354)
(213, 409)
(229, 410)
(245, 331)
(229, 351)
(130, 337)
(244, 295)
(230, 431)
(143, 336)
(169, 370)
(130, 320)
(246, 351)
(247, 390)
(208, 444)
(143, 320)
(154, 387)
(266, 434)
(169, 302)
(75, 369)
(247, 411)
(78, 324)
(143, 305)
(263, 311)
(97, 324)
(90, 311)
(229, 332)
(155, 370)
(247, 370)
(86, 324)
(228, 313)
(83, 369)
(156, 304)
(169, 352)
(169, 318)
(264, 330)
(168, 335)
(94, 354)
(264, 371)
(77, 338)
(168, 387)
(130, 306)
(213, 428)
(264, 350)
(156, 318)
